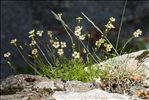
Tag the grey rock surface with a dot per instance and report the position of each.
(31, 87)
(95, 94)
(136, 61)
(77, 86)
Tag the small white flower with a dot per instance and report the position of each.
(60, 51)
(32, 31)
(112, 19)
(77, 31)
(6, 55)
(50, 34)
(51, 41)
(137, 33)
(34, 51)
(108, 47)
(84, 50)
(56, 44)
(98, 80)
(109, 25)
(13, 41)
(31, 35)
(76, 55)
(79, 19)
(32, 43)
(63, 44)
(60, 15)
(99, 42)
(39, 33)
(82, 37)
(86, 69)
(101, 66)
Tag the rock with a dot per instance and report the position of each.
(95, 94)
(59, 84)
(45, 85)
(40, 94)
(13, 84)
(26, 87)
(77, 86)
(41, 88)
(136, 61)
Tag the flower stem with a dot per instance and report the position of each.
(126, 44)
(121, 23)
(100, 32)
(27, 61)
(67, 27)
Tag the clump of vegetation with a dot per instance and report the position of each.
(49, 58)
(78, 59)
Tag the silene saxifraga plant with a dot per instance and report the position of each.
(52, 59)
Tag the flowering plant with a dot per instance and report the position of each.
(50, 58)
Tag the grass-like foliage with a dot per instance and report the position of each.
(50, 59)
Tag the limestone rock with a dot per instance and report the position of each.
(95, 94)
(20, 87)
(136, 61)
(77, 86)
(44, 85)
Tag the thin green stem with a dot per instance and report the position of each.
(68, 34)
(126, 44)
(45, 57)
(96, 54)
(83, 46)
(27, 61)
(121, 23)
(100, 32)
(47, 50)
(63, 23)
(52, 54)
(50, 65)
(11, 65)
(67, 27)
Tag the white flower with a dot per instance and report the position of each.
(79, 19)
(34, 51)
(101, 66)
(31, 35)
(98, 80)
(39, 33)
(60, 15)
(56, 44)
(63, 44)
(84, 50)
(60, 51)
(76, 55)
(108, 47)
(50, 34)
(13, 41)
(109, 25)
(32, 43)
(6, 55)
(51, 41)
(86, 69)
(112, 19)
(77, 31)
(99, 42)
(82, 37)
(32, 31)
(137, 33)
